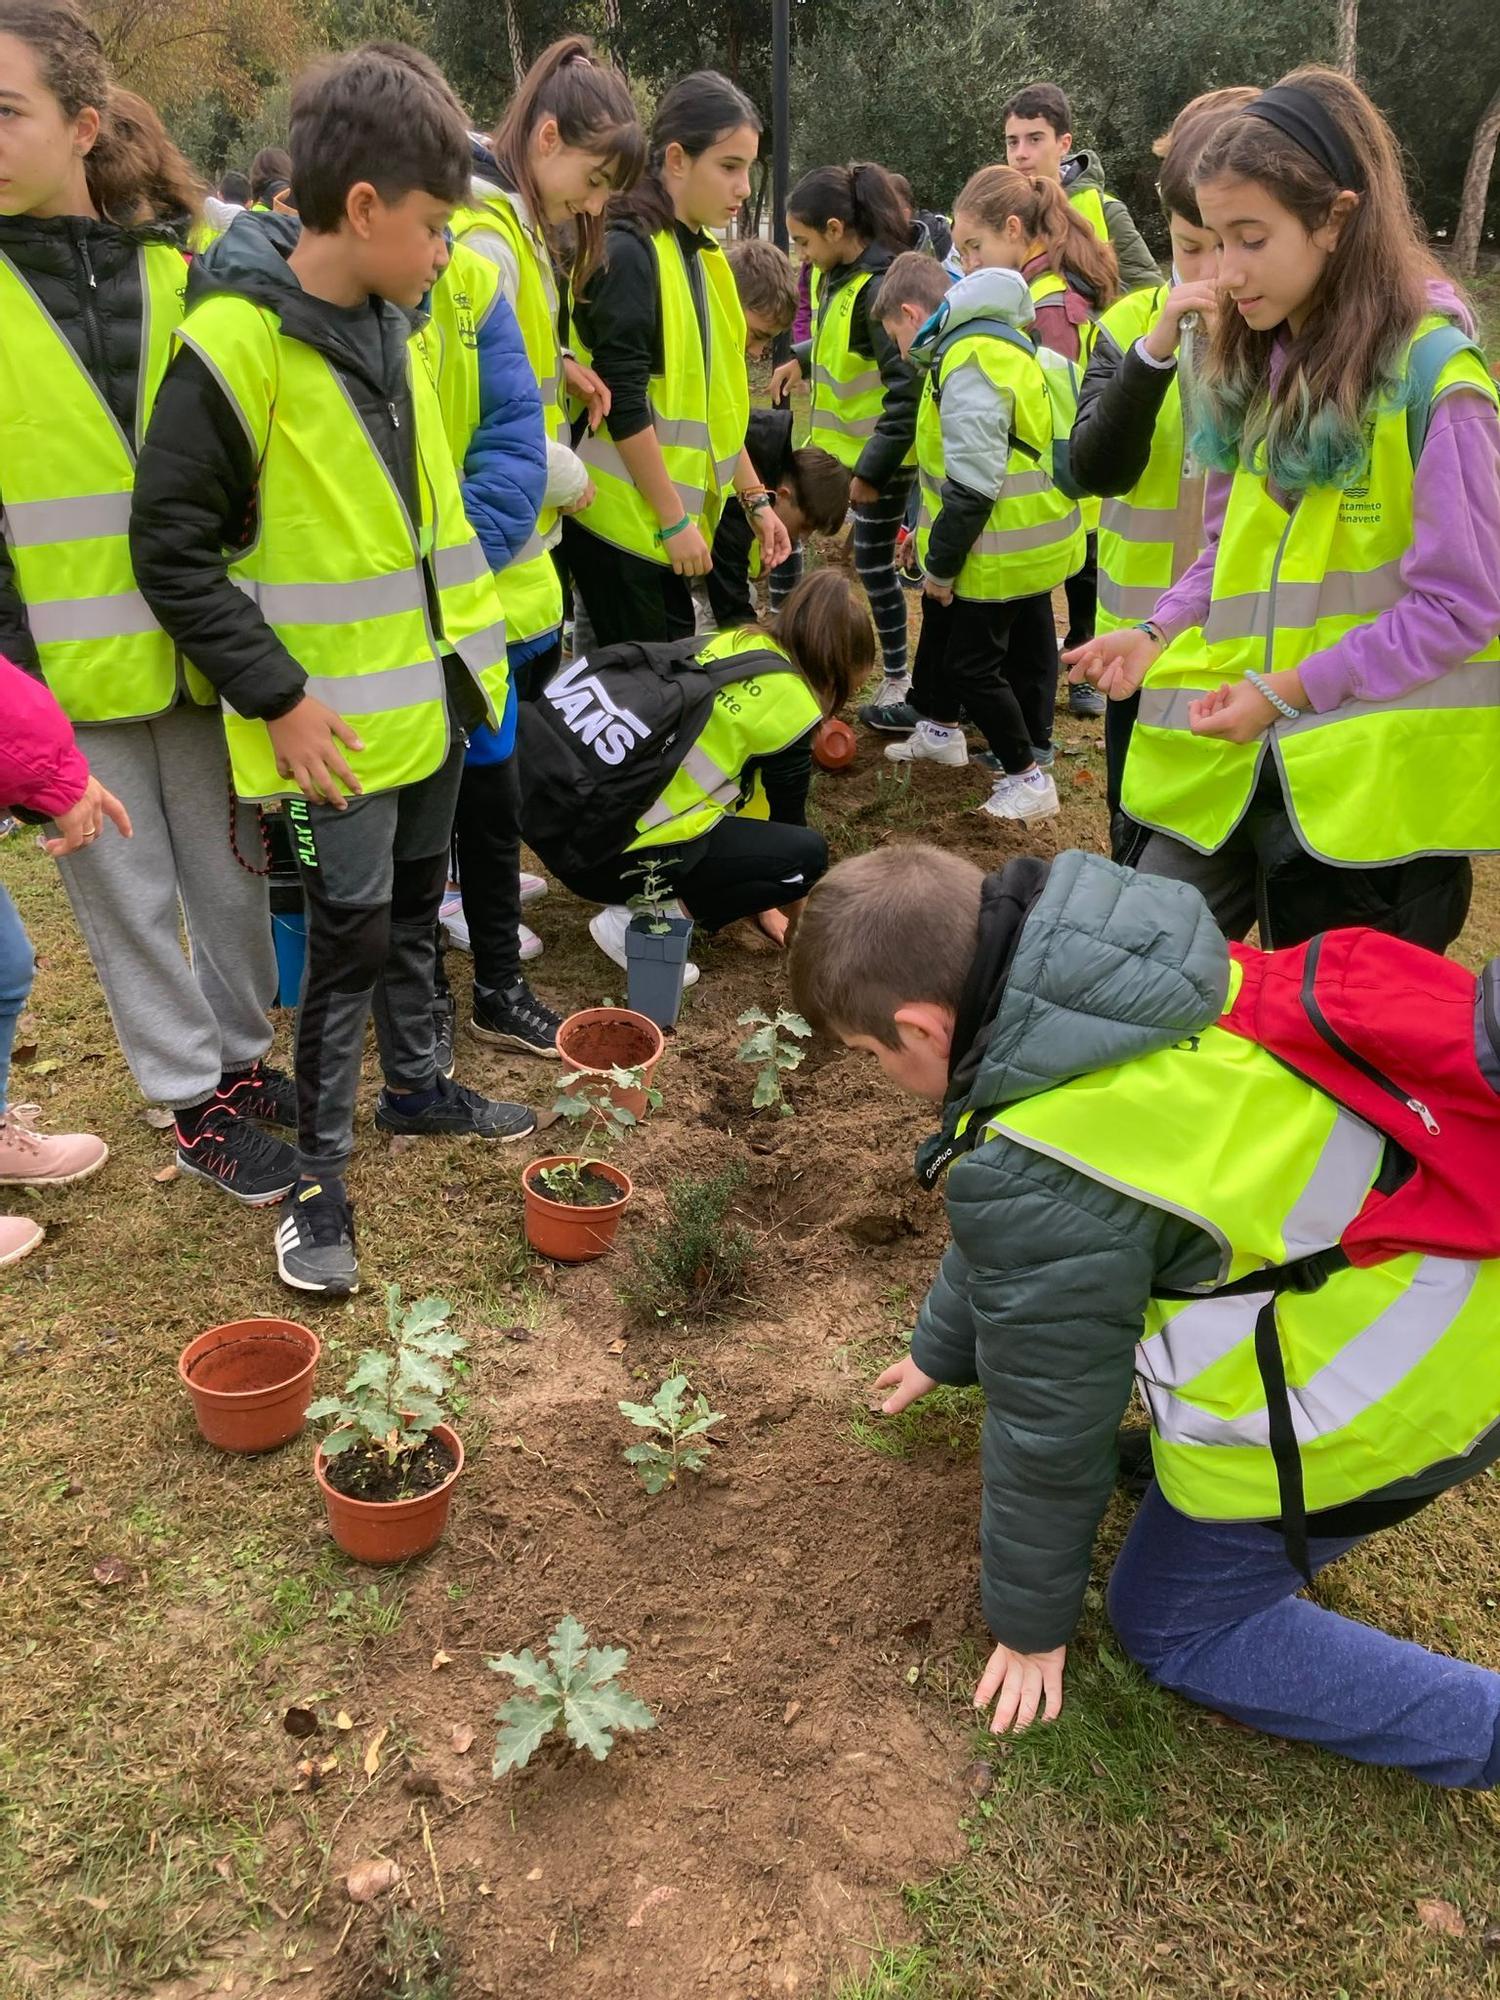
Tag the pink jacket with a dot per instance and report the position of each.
(41, 767)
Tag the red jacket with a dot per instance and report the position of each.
(1059, 318)
(41, 767)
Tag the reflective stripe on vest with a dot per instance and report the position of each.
(1142, 534)
(339, 569)
(1389, 1369)
(755, 717)
(1287, 585)
(1033, 538)
(847, 393)
(530, 587)
(700, 406)
(66, 474)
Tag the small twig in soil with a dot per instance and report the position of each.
(348, 1922)
(437, 1880)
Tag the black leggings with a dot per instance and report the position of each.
(739, 868)
(487, 855)
(625, 596)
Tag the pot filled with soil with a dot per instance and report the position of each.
(381, 1514)
(600, 1040)
(250, 1382)
(656, 958)
(573, 1206)
(387, 1468)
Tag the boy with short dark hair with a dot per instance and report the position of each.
(1038, 126)
(767, 285)
(1121, 1170)
(299, 531)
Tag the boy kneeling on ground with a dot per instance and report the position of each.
(1116, 1163)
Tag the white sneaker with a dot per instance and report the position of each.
(1023, 798)
(930, 743)
(608, 927)
(454, 922)
(893, 688)
(531, 944)
(533, 888)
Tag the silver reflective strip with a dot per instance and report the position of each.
(83, 517)
(464, 563)
(536, 545)
(1138, 524)
(1164, 708)
(482, 649)
(603, 456)
(338, 603)
(830, 420)
(547, 388)
(1022, 485)
(372, 694)
(1340, 594)
(1127, 600)
(1362, 1373)
(725, 469)
(1476, 685)
(683, 433)
(1012, 541)
(1196, 1339)
(849, 386)
(703, 771)
(717, 786)
(123, 616)
(1336, 1188)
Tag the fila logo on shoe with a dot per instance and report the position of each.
(580, 699)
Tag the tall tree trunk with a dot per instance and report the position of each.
(1348, 38)
(517, 45)
(1476, 192)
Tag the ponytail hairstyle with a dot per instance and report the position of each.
(595, 113)
(825, 628)
(863, 197)
(134, 172)
(696, 113)
(270, 174)
(1181, 146)
(1372, 294)
(1070, 246)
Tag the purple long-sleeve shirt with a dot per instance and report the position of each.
(1450, 573)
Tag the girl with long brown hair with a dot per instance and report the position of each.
(1005, 218)
(1320, 722)
(95, 203)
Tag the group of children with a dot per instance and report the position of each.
(306, 504)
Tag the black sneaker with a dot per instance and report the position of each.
(266, 1094)
(1085, 702)
(515, 1019)
(315, 1240)
(444, 1019)
(459, 1113)
(891, 718)
(227, 1149)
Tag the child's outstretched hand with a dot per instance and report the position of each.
(775, 542)
(783, 380)
(590, 389)
(907, 1382)
(1116, 662)
(1021, 1685)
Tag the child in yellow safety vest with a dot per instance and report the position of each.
(88, 308)
(1129, 439)
(1319, 723)
(848, 224)
(660, 325)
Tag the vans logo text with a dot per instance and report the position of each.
(581, 701)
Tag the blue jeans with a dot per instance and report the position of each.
(17, 967)
(1210, 1609)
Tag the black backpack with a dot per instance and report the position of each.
(602, 739)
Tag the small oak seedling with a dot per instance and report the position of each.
(394, 1398)
(772, 1046)
(575, 1689)
(654, 902)
(605, 1122)
(681, 1437)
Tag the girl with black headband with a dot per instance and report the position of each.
(1319, 728)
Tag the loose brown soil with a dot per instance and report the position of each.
(591, 1189)
(359, 1476)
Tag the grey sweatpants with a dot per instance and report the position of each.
(182, 1019)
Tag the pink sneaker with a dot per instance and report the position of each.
(19, 1236)
(29, 1158)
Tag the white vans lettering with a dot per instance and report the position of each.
(579, 698)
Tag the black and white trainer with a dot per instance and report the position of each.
(458, 1113)
(232, 1153)
(515, 1019)
(315, 1240)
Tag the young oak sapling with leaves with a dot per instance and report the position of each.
(773, 1048)
(605, 1120)
(681, 1436)
(576, 1689)
(381, 1445)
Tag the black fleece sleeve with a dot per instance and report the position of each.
(1119, 402)
(786, 777)
(728, 582)
(958, 526)
(194, 501)
(896, 427)
(618, 319)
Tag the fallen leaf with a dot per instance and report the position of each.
(462, 1738)
(327, 1764)
(515, 1333)
(1434, 1913)
(343, 1720)
(368, 1879)
(659, 1895)
(441, 1659)
(535, 1875)
(299, 1722)
(166, 1173)
(224, 1867)
(158, 1117)
(45, 1068)
(95, 1902)
(402, 1142)
(616, 1346)
(372, 1751)
(112, 1569)
(790, 1713)
(1083, 777)
(977, 1778)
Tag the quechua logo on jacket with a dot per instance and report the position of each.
(580, 699)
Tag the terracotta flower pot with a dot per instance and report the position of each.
(600, 1039)
(834, 744)
(391, 1531)
(572, 1235)
(250, 1382)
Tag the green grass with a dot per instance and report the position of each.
(945, 1419)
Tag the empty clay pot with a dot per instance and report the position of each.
(599, 1039)
(250, 1382)
(834, 744)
